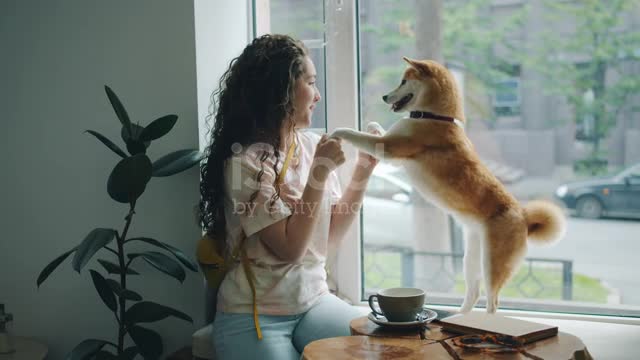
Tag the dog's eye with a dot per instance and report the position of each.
(403, 82)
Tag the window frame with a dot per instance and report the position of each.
(343, 110)
(342, 105)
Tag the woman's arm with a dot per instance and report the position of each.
(289, 238)
(345, 211)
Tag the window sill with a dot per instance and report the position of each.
(541, 314)
(621, 314)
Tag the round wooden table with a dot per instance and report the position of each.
(364, 326)
(370, 341)
(369, 347)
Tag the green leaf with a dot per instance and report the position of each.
(132, 135)
(132, 139)
(186, 261)
(113, 268)
(147, 311)
(127, 294)
(176, 162)
(52, 266)
(129, 353)
(104, 290)
(108, 143)
(136, 147)
(158, 128)
(148, 341)
(129, 178)
(86, 349)
(96, 239)
(163, 263)
(118, 108)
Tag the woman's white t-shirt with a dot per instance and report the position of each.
(282, 288)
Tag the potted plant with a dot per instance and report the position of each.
(126, 183)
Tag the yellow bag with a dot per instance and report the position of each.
(215, 267)
(211, 263)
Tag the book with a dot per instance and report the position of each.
(483, 323)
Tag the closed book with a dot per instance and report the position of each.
(483, 323)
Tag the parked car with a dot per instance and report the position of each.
(617, 195)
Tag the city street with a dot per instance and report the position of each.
(605, 249)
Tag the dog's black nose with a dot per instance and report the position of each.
(384, 98)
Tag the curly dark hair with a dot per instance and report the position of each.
(253, 103)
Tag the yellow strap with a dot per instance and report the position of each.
(285, 166)
(251, 277)
(245, 260)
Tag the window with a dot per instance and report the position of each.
(506, 100)
(405, 241)
(303, 20)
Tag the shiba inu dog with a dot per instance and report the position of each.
(440, 160)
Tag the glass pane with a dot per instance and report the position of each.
(302, 20)
(551, 112)
(319, 119)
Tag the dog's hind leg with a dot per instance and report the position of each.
(506, 247)
(472, 268)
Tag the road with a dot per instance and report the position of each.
(608, 250)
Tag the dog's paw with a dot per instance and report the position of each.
(341, 132)
(375, 128)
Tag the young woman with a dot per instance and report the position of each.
(271, 187)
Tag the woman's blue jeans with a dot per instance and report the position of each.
(283, 337)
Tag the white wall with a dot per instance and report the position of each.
(56, 57)
(217, 43)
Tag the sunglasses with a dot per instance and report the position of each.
(492, 343)
(488, 341)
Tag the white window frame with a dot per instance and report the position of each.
(342, 110)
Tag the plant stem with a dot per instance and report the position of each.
(123, 278)
(110, 249)
(128, 263)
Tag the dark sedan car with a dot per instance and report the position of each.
(617, 195)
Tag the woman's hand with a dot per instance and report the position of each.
(328, 157)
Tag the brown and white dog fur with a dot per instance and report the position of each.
(444, 168)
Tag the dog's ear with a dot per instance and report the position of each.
(422, 67)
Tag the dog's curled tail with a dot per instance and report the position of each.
(545, 222)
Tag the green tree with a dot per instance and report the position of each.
(483, 45)
(587, 67)
(391, 32)
(469, 38)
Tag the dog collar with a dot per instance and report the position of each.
(430, 115)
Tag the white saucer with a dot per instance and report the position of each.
(426, 317)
